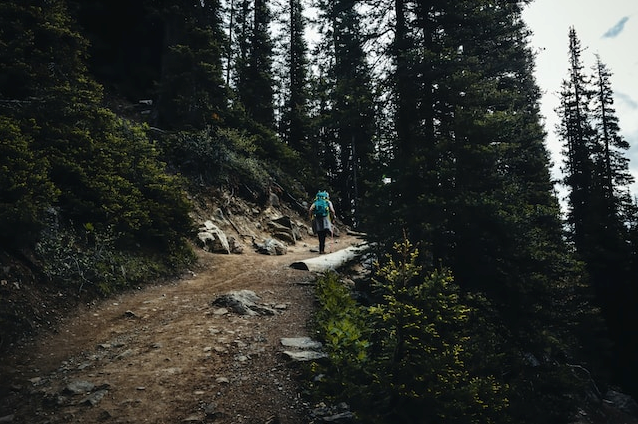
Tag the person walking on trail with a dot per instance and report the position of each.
(322, 213)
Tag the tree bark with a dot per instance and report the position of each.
(331, 261)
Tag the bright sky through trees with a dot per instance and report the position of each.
(608, 28)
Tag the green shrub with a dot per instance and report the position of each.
(89, 260)
(412, 357)
(25, 191)
(217, 156)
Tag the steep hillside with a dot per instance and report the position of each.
(166, 353)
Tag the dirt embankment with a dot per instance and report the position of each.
(165, 354)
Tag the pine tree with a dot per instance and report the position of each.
(577, 131)
(471, 180)
(192, 93)
(105, 170)
(295, 115)
(254, 66)
(351, 105)
(597, 177)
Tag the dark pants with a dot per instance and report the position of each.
(322, 239)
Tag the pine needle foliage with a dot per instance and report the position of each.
(413, 358)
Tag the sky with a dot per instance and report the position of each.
(608, 28)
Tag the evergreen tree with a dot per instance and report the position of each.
(254, 66)
(295, 115)
(105, 170)
(597, 176)
(351, 105)
(471, 181)
(192, 93)
(576, 130)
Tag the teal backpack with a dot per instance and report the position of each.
(322, 207)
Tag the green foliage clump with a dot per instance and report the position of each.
(88, 260)
(341, 323)
(25, 190)
(427, 347)
(218, 156)
(413, 357)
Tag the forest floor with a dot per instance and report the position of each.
(165, 354)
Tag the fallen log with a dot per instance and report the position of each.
(331, 261)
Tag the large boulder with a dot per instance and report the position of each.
(271, 247)
(212, 239)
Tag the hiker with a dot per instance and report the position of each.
(322, 212)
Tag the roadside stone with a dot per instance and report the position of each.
(211, 411)
(95, 398)
(304, 355)
(211, 238)
(125, 354)
(301, 342)
(271, 247)
(79, 387)
(243, 302)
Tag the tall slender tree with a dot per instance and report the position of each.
(352, 110)
(597, 176)
(295, 115)
(576, 130)
(192, 92)
(254, 68)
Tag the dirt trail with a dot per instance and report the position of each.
(164, 354)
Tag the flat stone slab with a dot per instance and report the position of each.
(301, 343)
(305, 355)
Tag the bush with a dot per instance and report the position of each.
(411, 357)
(89, 260)
(217, 156)
(25, 191)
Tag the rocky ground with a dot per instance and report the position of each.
(169, 354)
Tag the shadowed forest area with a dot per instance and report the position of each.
(488, 304)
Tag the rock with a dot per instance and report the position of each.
(301, 342)
(284, 222)
(125, 354)
(285, 229)
(219, 215)
(79, 387)
(335, 414)
(306, 349)
(271, 247)
(623, 402)
(304, 355)
(235, 247)
(210, 410)
(285, 236)
(211, 238)
(273, 200)
(243, 302)
(94, 398)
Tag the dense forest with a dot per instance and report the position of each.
(487, 304)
